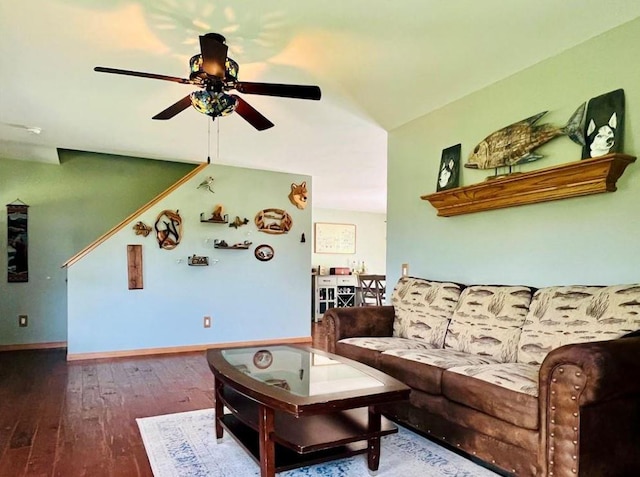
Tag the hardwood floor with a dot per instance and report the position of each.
(69, 419)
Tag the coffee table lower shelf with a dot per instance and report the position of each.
(302, 441)
(286, 459)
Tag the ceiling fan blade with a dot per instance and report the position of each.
(175, 108)
(214, 54)
(282, 90)
(175, 79)
(251, 115)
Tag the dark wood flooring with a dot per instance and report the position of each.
(78, 419)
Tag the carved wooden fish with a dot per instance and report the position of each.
(515, 143)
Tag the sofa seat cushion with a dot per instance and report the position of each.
(565, 315)
(367, 349)
(519, 377)
(422, 369)
(387, 343)
(507, 391)
(423, 309)
(488, 321)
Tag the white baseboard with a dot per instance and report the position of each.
(183, 349)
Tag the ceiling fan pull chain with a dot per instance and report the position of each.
(208, 142)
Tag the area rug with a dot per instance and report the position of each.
(184, 445)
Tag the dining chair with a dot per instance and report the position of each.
(371, 290)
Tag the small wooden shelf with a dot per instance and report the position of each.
(585, 177)
(224, 220)
(196, 261)
(238, 246)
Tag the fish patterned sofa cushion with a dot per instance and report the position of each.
(488, 321)
(441, 358)
(519, 377)
(423, 309)
(577, 314)
(387, 343)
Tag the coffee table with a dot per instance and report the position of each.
(293, 406)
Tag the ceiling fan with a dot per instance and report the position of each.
(215, 74)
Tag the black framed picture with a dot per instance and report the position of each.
(604, 125)
(18, 242)
(449, 171)
(263, 252)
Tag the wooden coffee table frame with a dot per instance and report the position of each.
(283, 431)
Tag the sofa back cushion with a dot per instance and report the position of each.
(488, 321)
(423, 309)
(577, 314)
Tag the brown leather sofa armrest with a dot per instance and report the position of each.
(608, 368)
(341, 323)
(588, 396)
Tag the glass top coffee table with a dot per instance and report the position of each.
(295, 406)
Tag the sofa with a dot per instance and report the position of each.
(534, 382)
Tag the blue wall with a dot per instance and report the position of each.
(248, 300)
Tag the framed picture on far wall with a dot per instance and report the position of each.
(449, 171)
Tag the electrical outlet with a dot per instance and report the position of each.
(23, 320)
(207, 322)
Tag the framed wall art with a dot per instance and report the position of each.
(604, 125)
(17, 242)
(335, 238)
(449, 171)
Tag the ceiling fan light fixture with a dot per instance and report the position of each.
(212, 103)
(231, 70)
(195, 67)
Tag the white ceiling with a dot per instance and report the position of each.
(380, 64)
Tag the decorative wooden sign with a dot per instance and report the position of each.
(273, 221)
(134, 266)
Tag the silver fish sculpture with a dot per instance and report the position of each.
(515, 143)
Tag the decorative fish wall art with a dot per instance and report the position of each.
(515, 144)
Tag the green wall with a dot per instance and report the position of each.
(71, 204)
(588, 240)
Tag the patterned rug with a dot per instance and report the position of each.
(184, 445)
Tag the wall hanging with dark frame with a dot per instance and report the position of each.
(17, 242)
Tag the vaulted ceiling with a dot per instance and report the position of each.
(379, 63)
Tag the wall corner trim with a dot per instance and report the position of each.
(85, 251)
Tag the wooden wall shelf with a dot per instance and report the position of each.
(585, 177)
(223, 220)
